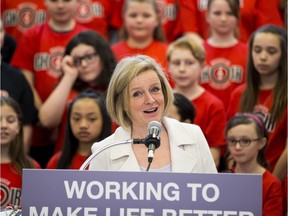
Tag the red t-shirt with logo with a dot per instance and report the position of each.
(224, 70)
(40, 51)
(18, 16)
(11, 185)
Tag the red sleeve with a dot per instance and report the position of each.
(272, 195)
(52, 163)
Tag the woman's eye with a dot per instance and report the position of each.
(136, 94)
(155, 89)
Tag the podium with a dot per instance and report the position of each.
(105, 193)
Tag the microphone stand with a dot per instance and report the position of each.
(100, 149)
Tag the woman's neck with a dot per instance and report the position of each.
(140, 44)
(222, 41)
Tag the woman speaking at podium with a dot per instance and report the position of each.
(138, 98)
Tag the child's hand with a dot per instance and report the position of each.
(68, 66)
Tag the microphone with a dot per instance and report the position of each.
(152, 141)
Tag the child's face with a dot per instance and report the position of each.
(220, 18)
(88, 62)
(184, 68)
(246, 153)
(266, 53)
(61, 11)
(10, 125)
(140, 20)
(86, 121)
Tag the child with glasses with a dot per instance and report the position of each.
(88, 63)
(247, 138)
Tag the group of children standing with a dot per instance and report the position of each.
(238, 90)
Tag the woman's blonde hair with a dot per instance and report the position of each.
(117, 99)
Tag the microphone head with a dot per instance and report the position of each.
(154, 128)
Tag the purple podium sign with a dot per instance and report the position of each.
(94, 193)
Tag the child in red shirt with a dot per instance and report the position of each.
(225, 66)
(142, 32)
(87, 122)
(38, 55)
(13, 157)
(186, 61)
(265, 91)
(253, 14)
(247, 138)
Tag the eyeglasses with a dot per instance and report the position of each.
(243, 142)
(89, 58)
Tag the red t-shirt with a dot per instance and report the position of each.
(76, 162)
(95, 15)
(253, 14)
(211, 117)
(277, 130)
(11, 185)
(18, 16)
(272, 195)
(224, 70)
(40, 51)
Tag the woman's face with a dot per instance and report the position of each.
(140, 20)
(86, 121)
(146, 99)
(10, 125)
(266, 53)
(87, 61)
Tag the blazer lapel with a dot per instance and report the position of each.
(124, 153)
(180, 146)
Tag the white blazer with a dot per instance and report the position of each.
(190, 152)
